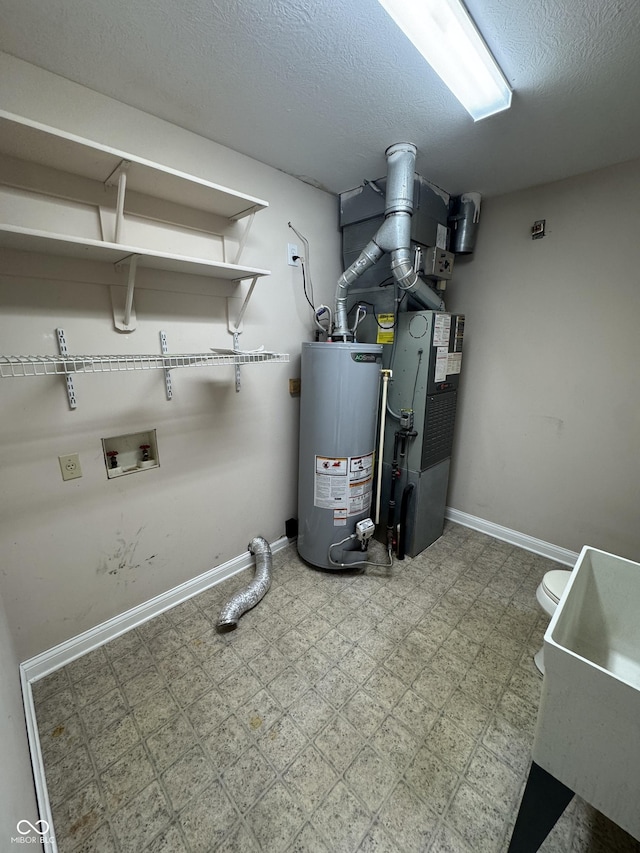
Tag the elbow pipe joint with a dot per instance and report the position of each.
(402, 269)
(370, 255)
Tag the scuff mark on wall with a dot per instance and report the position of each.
(79, 618)
(123, 557)
(556, 423)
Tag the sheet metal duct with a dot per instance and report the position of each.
(464, 219)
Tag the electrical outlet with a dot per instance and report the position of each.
(292, 250)
(70, 466)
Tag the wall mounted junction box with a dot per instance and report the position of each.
(437, 263)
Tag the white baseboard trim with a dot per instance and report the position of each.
(48, 661)
(37, 765)
(513, 537)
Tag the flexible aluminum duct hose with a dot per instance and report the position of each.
(257, 589)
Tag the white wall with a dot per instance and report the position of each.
(17, 797)
(548, 433)
(76, 553)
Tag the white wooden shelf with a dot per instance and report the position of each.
(45, 242)
(37, 143)
(117, 208)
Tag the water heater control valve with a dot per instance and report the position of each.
(365, 529)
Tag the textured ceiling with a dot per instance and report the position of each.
(320, 88)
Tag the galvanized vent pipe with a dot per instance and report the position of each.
(393, 236)
(257, 589)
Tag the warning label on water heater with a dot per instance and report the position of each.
(344, 485)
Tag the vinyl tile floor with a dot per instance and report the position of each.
(389, 711)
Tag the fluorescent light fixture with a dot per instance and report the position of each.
(448, 39)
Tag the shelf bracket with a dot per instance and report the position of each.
(164, 349)
(245, 234)
(235, 325)
(119, 177)
(62, 349)
(124, 312)
(236, 347)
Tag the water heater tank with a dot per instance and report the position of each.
(340, 384)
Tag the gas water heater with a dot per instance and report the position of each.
(340, 385)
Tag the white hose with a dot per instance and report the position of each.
(386, 374)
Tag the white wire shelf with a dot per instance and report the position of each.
(58, 365)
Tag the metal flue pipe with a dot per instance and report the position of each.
(393, 236)
(252, 594)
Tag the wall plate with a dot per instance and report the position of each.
(70, 466)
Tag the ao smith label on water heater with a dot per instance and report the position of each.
(343, 484)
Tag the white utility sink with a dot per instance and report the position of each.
(588, 732)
